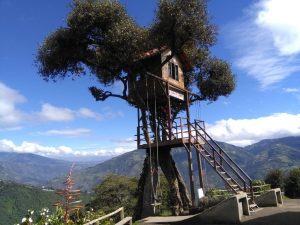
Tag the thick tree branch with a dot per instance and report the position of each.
(101, 95)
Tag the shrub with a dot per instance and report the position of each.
(275, 178)
(114, 192)
(292, 183)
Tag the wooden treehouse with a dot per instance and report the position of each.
(162, 88)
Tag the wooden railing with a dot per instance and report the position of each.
(127, 220)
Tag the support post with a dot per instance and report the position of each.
(199, 160)
(192, 185)
(138, 134)
(169, 112)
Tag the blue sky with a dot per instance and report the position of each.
(260, 39)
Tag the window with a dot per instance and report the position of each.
(173, 71)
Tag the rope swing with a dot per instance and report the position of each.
(154, 198)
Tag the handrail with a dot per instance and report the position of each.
(236, 173)
(234, 181)
(120, 210)
(244, 173)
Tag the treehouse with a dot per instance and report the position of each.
(157, 69)
(158, 89)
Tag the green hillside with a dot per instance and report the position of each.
(16, 199)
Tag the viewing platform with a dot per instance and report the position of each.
(182, 133)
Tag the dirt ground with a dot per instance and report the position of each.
(287, 214)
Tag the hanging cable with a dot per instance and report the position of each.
(149, 142)
(156, 137)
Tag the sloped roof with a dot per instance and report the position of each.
(156, 51)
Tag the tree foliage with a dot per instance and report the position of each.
(275, 178)
(102, 39)
(115, 192)
(292, 183)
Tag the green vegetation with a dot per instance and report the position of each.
(102, 40)
(275, 178)
(115, 192)
(121, 191)
(292, 183)
(16, 199)
(79, 217)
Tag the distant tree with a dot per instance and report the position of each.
(292, 183)
(275, 178)
(103, 40)
(115, 192)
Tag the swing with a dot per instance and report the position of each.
(155, 201)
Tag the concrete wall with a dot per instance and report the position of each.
(228, 211)
(270, 198)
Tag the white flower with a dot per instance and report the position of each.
(23, 220)
(30, 220)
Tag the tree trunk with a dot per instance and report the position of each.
(180, 197)
(147, 188)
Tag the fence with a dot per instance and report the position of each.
(127, 220)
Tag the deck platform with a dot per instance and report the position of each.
(178, 142)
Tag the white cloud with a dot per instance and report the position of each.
(10, 116)
(87, 113)
(291, 90)
(60, 151)
(281, 18)
(243, 132)
(67, 132)
(56, 114)
(267, 42)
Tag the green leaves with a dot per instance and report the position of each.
(103, 39)
(215, 79)
(114, 192)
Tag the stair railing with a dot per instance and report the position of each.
(217, 164)
(223, 156)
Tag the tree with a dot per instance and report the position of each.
(275, 178)
(292, 183)
(101, 39)
(114, 192)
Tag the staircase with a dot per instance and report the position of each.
(236, 179)
(192, 135)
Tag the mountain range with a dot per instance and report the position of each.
(34, 169)
(256, 160)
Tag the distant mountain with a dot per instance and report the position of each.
(33, 169)
(130, 164)
(256, 160)
(283, 153)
